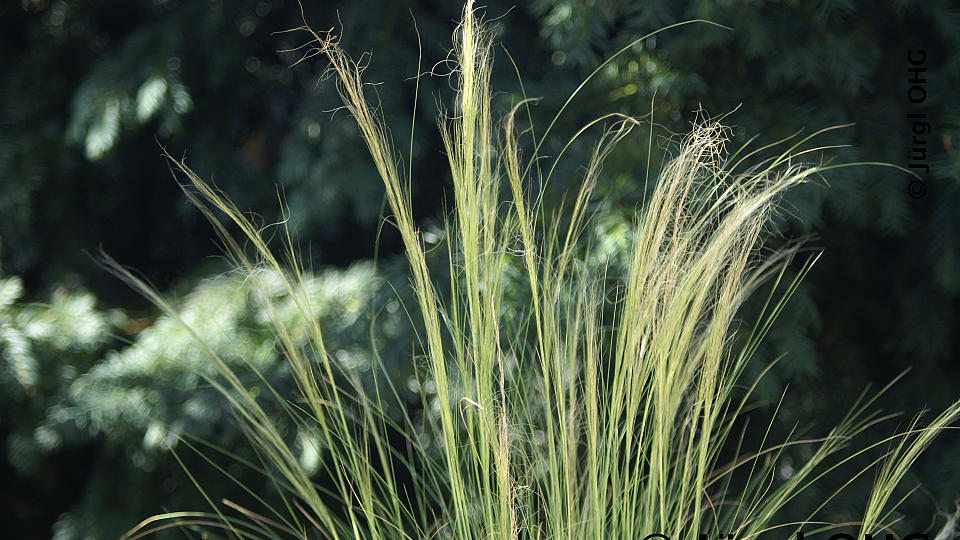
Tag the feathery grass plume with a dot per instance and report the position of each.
(562, 421)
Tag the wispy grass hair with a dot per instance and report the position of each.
(576, 423)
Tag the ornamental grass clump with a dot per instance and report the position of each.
(593, 413)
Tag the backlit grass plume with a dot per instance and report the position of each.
(591, 414)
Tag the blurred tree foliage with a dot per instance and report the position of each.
(92, 396)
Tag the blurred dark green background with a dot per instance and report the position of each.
(94, 387)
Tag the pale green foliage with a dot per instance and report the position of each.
(70, 324)
(43, 347)
(74, 376)
(105, 103)
(592, 414)
(234, 316)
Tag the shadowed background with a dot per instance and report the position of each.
(94, 388)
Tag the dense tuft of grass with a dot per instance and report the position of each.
(593, 413)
